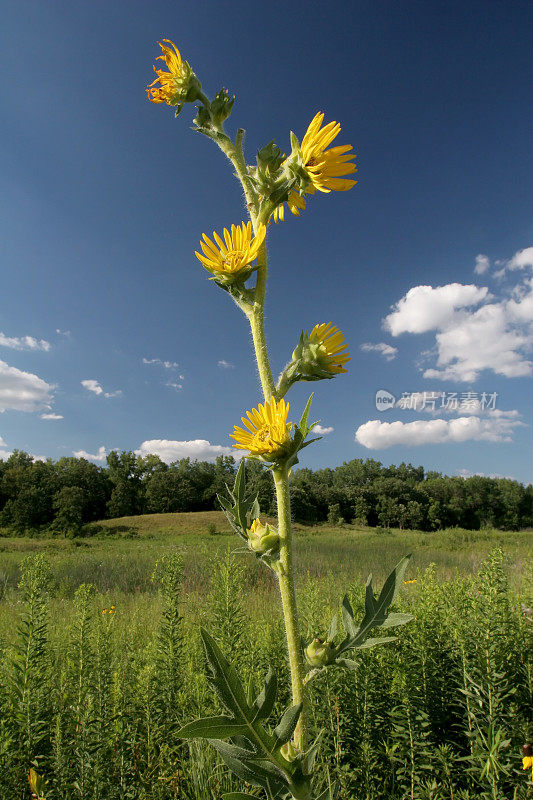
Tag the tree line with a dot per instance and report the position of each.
(71, 493)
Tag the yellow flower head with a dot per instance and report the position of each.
(267, 430)
(331, 352)
(413, 580)
(527, 763)
(295, 203)
(232, 258)
(325, 167)
(178, 85)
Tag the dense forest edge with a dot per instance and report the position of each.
(70, 495)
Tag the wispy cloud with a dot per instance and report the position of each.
(23, 342)
(160, 363)
(51, 416)
(482, 264)
(94, 387)
(62, 333)
(177, 386)
(23, 391)
(223, 364)
(386, 350)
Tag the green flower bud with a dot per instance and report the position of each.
(320, 354)
(262, 538)
(270, 158)
(289, 752)
(319, 653)
(221, 107)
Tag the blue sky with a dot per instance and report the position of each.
(106, 197)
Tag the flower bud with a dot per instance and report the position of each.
(262, 538)
(270, 158)
(319, 653)
(320, 354)
(221, 107)
(289, 752)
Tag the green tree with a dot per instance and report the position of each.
(69, 503)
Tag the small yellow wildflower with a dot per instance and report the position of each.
(267, 430)
(325, 167)
(413, 580)
(178, 85)
(231, 258)
(104, 611)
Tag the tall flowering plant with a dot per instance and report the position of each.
(279, 758)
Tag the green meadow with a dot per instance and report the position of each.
(101, 661)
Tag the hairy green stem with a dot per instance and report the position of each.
(288, 600)
(281, 478)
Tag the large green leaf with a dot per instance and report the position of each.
(376, 612)
(213, 728)
(252, 752)
(224, 678)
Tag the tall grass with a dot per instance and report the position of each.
(95, 681)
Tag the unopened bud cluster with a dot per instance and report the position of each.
(263, 539)
(320, 653)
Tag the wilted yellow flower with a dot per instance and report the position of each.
(178, 85)
(232, 258)
(325, 167)
(331, 353)
(267, 430)
(295, 203)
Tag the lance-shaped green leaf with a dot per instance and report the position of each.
(249, 767)
(264, 702)
(224, 679)
(376, 612)
(252, 751)
(239, 509)
(213, 728)
(284, 731)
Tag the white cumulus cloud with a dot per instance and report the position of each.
(474, 331)
(387, 350)
(51, 416)
(378, 435)
(23, 342)
(23, 391)
(94, 386)
(425, 308)
(171, 450)
(99, 456)
(321, 431)
(521, 259)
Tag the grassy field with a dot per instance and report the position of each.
(100, 661)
